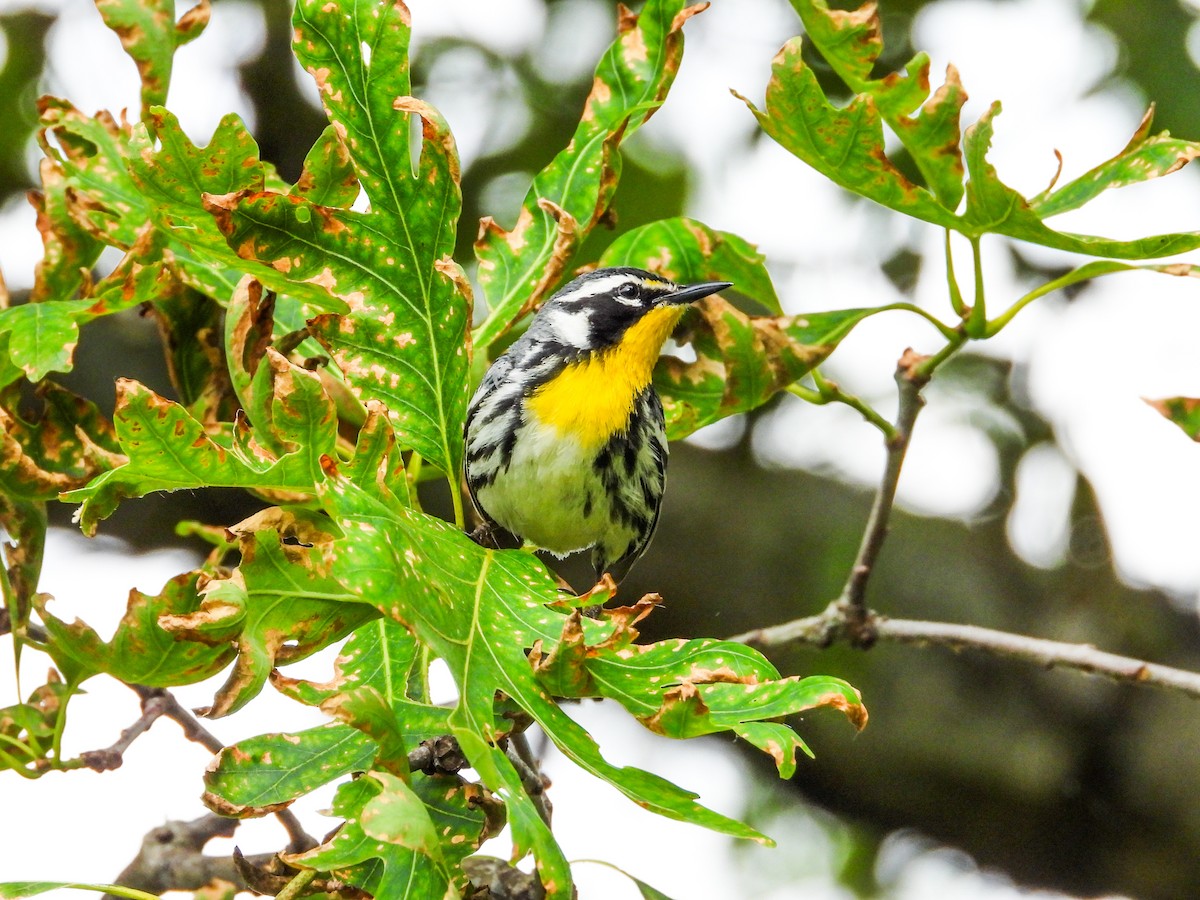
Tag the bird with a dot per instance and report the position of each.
(565, 438)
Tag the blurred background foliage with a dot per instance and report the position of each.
(1054, 779)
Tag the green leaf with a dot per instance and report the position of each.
(53, 449)
(688, 251)
(1146, 156)
(168, 450)
(687, 688)
(777, 741)
(403, 340)
(1183, 411)
(93, 155)
(42, 336)
(479, 610)
(382, 804)
(403, 344)
(847, 145)
(257, 775)
(24, 522)
(992, 206)
(173, 179)
(742, 361)
(262, 774)
(15, 890)
(844, 145)
(851, 42)
(149, 34)
(520, 267)
(140, 651)
(329, 177)
(67, 249)
(280, 605)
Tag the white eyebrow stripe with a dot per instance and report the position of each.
(595, 287)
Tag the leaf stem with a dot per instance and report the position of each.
(1083, 273)
(956, 297)
(976, 323)
(460, 519)
(296, 886)
(946, 330)
(830, 392)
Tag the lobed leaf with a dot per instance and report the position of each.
(54, 449)
(386, 820)
(401, 344)
(140, 652)
(150, 35)
(167, 449)
(742, 361)
(687, 251)
(520, 267)
(851, 41)
(404, 340)
(262, 773)
(847, 145)
(477, 610)
(279, 605)
(1146, 156)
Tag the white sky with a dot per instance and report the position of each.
(1087, 374)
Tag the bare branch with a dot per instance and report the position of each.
(910, 379)
(153, 706)
(298, 839)
(833, 625)
(532, 779)
(173, 709)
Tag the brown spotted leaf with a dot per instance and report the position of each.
(51, 450)
(141, 652)
(168, 449)
(847, 145)
(742, 361)
(150, 35)
(519, 267)
(403, 341)
(279, 605)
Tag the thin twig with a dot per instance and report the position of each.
(110, 758)
(910, 379)
(532, 779)
(173, 709)
(832, 625)
(298, 839)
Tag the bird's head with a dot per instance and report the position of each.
(620, 308)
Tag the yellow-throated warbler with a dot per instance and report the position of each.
(565, 442)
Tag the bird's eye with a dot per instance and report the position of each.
(628, 290)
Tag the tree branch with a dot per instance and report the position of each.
(833, 624)
(299, 840)
(532, 779)
(154, 705)
(910, 379)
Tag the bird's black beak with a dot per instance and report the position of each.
(693, 292)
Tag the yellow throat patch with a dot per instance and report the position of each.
(592, 399)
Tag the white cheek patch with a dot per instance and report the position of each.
(572, 327)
